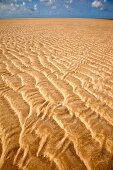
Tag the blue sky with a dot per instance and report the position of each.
(56, 8)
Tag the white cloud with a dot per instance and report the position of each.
(68, 4)
(23, 3)
(35, 7)
(48, 2)
(15, 9)
(53, 7)
(7, 1)
(97, 4)
(70, 1)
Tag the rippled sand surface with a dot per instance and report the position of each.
(56, 94)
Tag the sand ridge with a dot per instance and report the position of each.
(56, 94)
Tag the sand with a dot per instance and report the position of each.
(56, 94)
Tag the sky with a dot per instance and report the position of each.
(56, 8)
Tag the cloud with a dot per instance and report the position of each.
(56, 5)
(48, 2)
(53, 7)
(12, 8)
(68, 4)
(70, 1)
(6, 1)
(97, 4)
(35, 7)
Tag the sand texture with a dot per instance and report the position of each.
(56, 94)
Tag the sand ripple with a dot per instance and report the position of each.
(56, 94)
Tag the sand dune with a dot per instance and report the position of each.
(56, 94)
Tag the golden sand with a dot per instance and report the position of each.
(56, 94)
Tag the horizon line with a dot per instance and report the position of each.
(56, 18)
